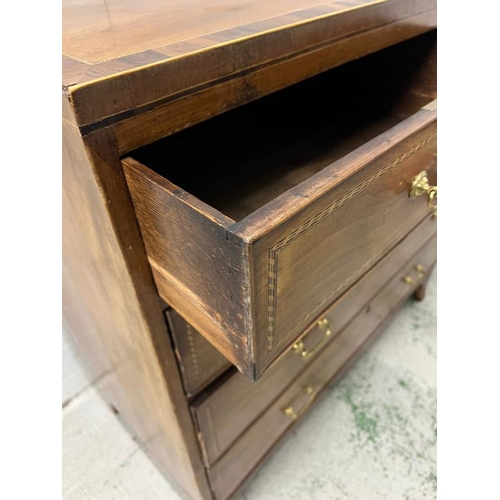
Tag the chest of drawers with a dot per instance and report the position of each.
(248, 197)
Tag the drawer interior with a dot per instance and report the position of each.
(241, 160)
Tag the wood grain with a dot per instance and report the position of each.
(312, 257)
(151, 76)
(200, 362)
(306, 127)
(322, 196)
(113, 314)
(180, 113)
(121, 29)
(310, 301)
(233, 468)
(224, 413)
(135, 72)
(192, 237)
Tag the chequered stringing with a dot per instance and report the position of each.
(273, 252)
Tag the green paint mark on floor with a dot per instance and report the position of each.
(432, 479)
(366, 424)
(365, 419)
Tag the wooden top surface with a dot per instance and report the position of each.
(116, 47)
(98, 31)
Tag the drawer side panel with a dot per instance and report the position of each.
(199, 271)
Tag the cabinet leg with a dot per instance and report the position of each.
(419, 293)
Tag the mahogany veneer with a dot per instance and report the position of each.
(249, 165)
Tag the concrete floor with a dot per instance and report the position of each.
(371, 437)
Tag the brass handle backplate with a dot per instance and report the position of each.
(290, 412)
(420, 186)
(299, 347)
(420, 274)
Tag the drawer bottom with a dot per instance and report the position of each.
(229, 472)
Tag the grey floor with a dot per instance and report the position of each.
(371, 437)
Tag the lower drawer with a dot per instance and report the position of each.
(199, 361)
(237, 463)
(225, 412)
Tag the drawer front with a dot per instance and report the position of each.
(252, 287)
(257, 221)
(199, 361)
(225, 413)
(235, 466)
(308, 260)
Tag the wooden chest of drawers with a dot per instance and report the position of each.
(269, 175)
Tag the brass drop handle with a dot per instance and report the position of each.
(420, 186)
(290, 412)
(299, 347)
(420, 274)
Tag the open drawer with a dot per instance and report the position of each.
(257, 220)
